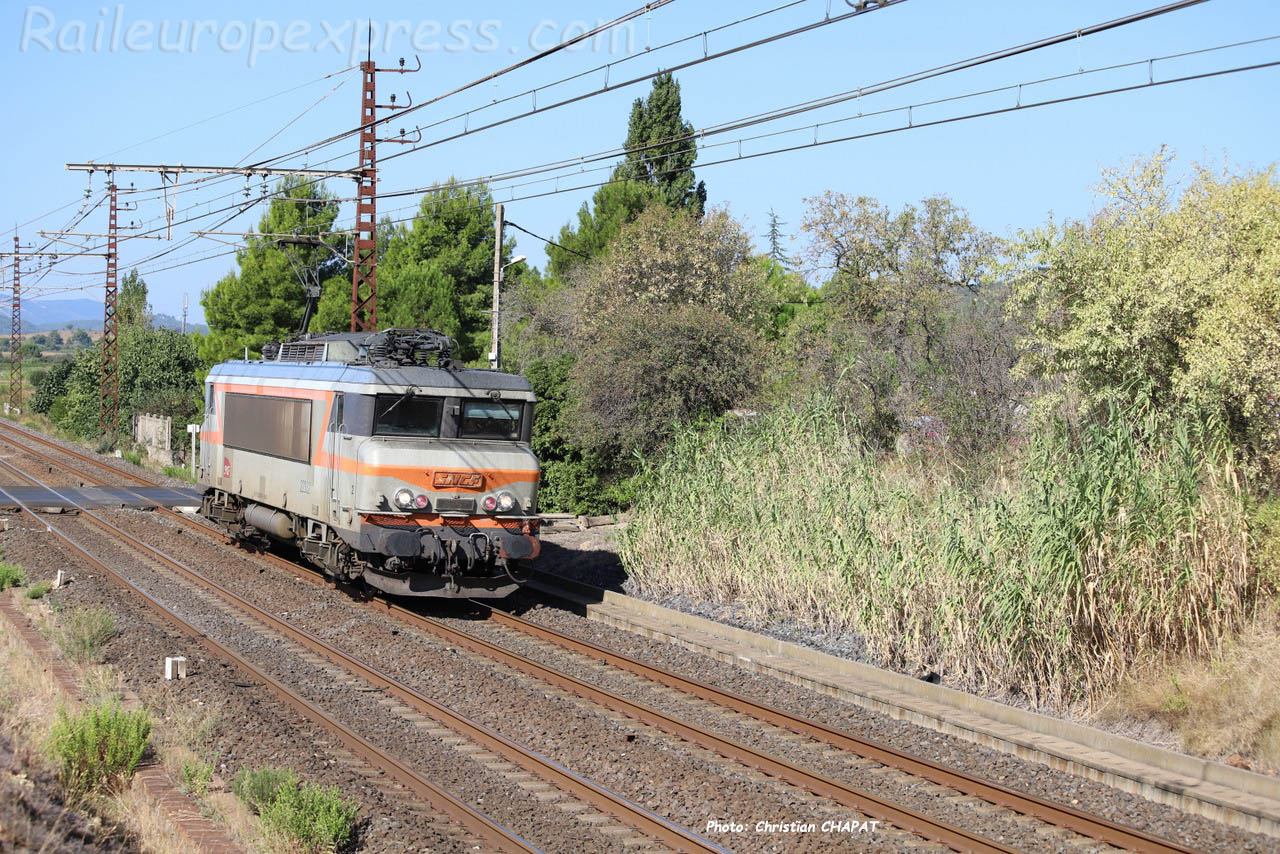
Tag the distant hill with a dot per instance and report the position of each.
(168, 321)
(44, 315)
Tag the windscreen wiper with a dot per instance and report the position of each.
(410, 392)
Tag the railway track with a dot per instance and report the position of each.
(922, 825)
(653, 826)
(487, 829)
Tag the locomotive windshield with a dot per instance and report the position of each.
(399, 415)
(490, 419)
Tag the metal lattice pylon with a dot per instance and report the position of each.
(109, 392)
(364, 263)
(15, 336)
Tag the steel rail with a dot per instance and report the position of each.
(445, 803)
(1101, 829)
(647, 822)
(922, 825)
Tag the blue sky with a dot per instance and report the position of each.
(93, 81)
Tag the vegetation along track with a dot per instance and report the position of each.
(967, 784)
(492, 832)
(651, 825)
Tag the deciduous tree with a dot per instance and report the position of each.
(1173, 299)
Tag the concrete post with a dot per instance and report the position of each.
(194, 430)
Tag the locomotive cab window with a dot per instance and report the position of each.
(491, 419)
(406, 415)
(336, 421)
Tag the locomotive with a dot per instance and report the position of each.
(379, 457)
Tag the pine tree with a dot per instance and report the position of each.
(661, 149)
(775, 239)
(658, 167)
(264, 300)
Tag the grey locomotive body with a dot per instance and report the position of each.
(379, 459)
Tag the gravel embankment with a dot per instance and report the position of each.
(662, 773)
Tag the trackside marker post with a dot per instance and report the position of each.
(176, 664)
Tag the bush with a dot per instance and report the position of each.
(1163, 293)
(655, 366)
(313, 818)
(1264, 529)
(196, 775)
(316, 819)
(11, 575)
(258, 787)
(82, 631)
(98, 748)
(37, 591)
(179, 473)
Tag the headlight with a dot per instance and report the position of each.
(506, 502)
(420, 502)
(489, 504)
(404, 498)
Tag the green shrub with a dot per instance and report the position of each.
(1264, 529)
(179, 473)
(49, 388)
(258, 787)
(82, 631)
(196, 775)
(98, 748)
(37, 591)
(309, 817)
(134, 457)
(318, 820)
(11, 575)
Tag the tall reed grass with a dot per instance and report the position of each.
(1048, 575)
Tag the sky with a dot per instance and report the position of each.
(237, 82)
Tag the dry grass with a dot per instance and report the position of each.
(30, 699)
(1221, 705)
(29, 695)
(184, 732)
(138, 812)
(1049, 576)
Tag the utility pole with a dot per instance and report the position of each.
(364, 258)
(109, 393)
(499, 226)
(109, 388)
(184, 313)
(15, 336)
(15, 317)
(364, 261)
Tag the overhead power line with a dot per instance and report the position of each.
(860, 9)
(982, 59)
(915, 126)
(547, 241)
(225, 113)
(237, 210)
(696, 140)
(911, 126)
